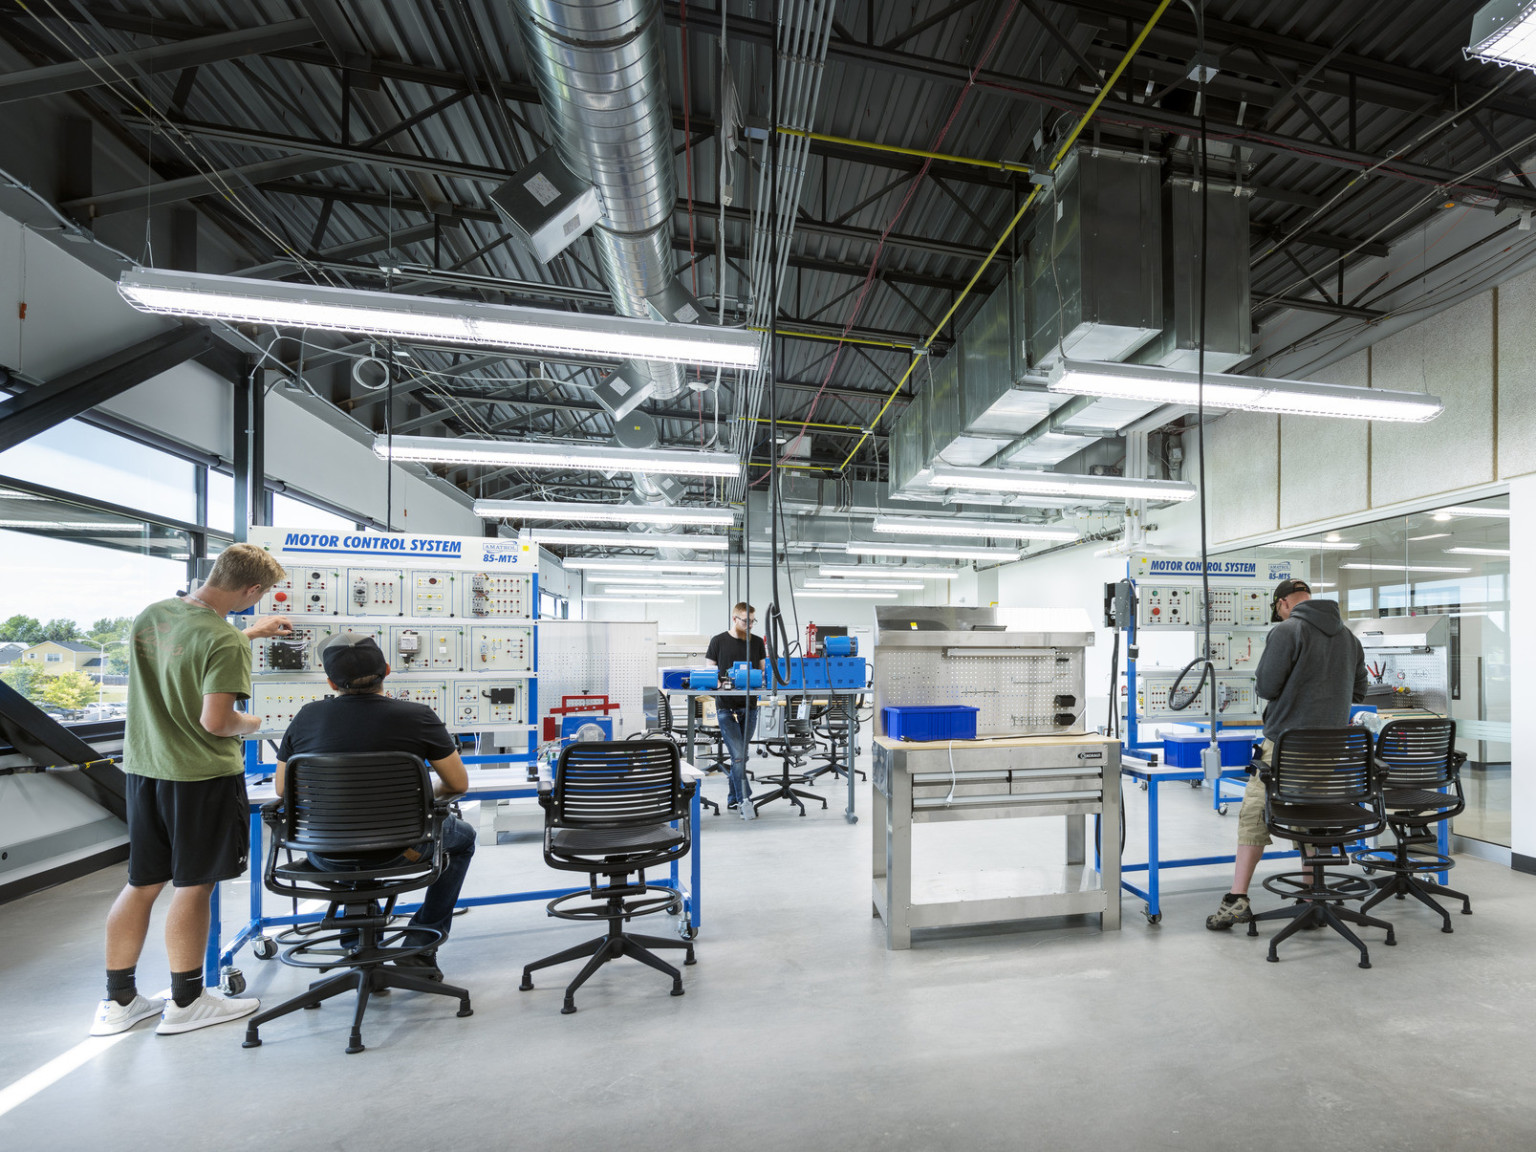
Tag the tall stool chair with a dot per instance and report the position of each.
(1323, 793)
(793, 749)
(836, 726)
(665, 731)
(1419, 761)
(615, 809)
(359, 808)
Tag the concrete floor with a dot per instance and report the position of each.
(800, 1031)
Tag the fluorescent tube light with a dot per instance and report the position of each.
(1473, 510)
(1311, 545)
(597, 564)
(909, 526)
(69, 525)
(634, 580)
(874, 586)
(1504, 33)
(1244, 393)
(1058, 484)
(1477, 551)
(240, 301)
(1431, 536)
(821, 595)
(1403, 568)
(562, 456)
(876, 572)
(632, 600)
(599, 538)
(930, 552)
(665, 515)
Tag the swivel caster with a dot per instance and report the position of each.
(264, 948)
(233, 982)
(1222, 810)
(1153, 917)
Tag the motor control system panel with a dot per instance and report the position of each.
(452, 614)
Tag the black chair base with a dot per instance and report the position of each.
(368, 981)
(835, 767)
(1319, 896)
(610, 946)
(782, 787)
(1404, 867)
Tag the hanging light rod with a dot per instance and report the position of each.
(1242, 393)
(876, 572)
(631, 581)
(930, 552)
(981, 529)
(382, 314)
(1058, 484)
(872, 586)
(822, 595)
(665, 515)
(1362, 566)
(594, 564)
(566, 457)
(1312, 545)
(600, 538)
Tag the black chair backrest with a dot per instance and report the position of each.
(618, 784)
(797, 716)
(1323, 766)
(839, 717)
(1419, 754)
(348, 803)
(663, 713)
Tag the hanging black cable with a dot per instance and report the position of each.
(775, 637)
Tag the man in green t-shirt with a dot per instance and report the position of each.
(187, 812)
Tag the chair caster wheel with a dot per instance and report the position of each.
(265, 948)
(568, 1010)
(233, 983)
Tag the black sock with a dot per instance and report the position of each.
(186, 986)
(121, 985)
(1233, 897)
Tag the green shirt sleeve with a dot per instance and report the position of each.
(229, 665)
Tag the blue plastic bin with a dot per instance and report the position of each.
(930, 721)
(1182, 749)
(1237, 748)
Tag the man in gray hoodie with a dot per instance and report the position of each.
(1312, 669)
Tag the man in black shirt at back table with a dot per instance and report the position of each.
(736, 715)
(360, 718)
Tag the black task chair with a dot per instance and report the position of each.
(793, 748)
(1322, 791)
(709, 735)
(665, 731)
(836, 728)
(1418, 759)
(610, 812)
(354, 809)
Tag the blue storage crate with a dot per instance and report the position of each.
(930, 721)
(1237, 748)
(1182, 749)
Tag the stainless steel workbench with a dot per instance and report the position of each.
(1071, 776)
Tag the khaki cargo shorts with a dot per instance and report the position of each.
(1250, 817)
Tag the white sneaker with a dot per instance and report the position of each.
(207, 1010)
(748, 810)
(112, 1017)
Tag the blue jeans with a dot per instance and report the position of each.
(437, 904)
(736, 727)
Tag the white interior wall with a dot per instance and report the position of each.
(1522, 686)
(75, 316)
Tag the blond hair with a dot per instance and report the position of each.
(241, 565)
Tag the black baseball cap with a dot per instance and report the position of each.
(349, 658)
(1282, 590)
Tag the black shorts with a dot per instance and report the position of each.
(189, 832)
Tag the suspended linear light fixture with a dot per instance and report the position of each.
(632, 600)
(598, 564)
(1058, 484)
(1309, 545)
(875, 572)
(1243, 393)
(1472, 510)
(981, 529)
(564, 457)
(599, 538)
(664, 515)
(872, 586)
(1361, 566)
(930, 552)
(240, 301)
(1504, 32)
(632, 581)
(1477, 551)
(818, 594)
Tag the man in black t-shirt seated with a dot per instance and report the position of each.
(360, 718)
(736, 715)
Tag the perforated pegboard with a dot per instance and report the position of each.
(1016, 694)
(616, 659)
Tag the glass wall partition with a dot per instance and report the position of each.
(1451, 561)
